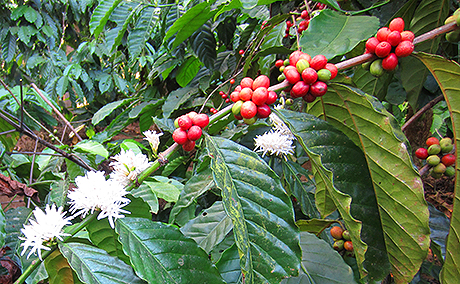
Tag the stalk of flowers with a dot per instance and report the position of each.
(42, 231)
(154, 140)
(274, 143)
(127, 166)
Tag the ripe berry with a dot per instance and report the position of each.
(246, 94)
(263, 111)
(248, 109)
(194, 133)
(324, 75)
(241, 52)
(390, 62)
(261, 81)
(289, 24)
(318, 89)
(246, 82)
(305, 56)
(191, 115)
(448, 160)
(272, 97)
(432, 140)
(238, 88)
(397, 24)
(383, 49)
(309, 75)
(394, 38)
(309, 98)
(333, 69)
(421, 153)
(188, 146)
(224, 96)
(348, 245)
(318, 62)
(232, 81)
(300, 89)
(336, 232)
(382, 34)
(303, 25)
(235, 96)
(294, 57)
(260, 96)
(371, 43)
(201, 120)
(279, 63)
(227, 100)
(407, 35)
(179, 136)
(404, 48)
(291, 74)
(304, 15)
(184, 122)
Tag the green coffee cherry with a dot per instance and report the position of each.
(366, 65)
(338, 245)
(250, 120)
(324, 75)
(346, 235)
(376, 68)
(435, 175)
(453, 36)
(434, 149)
(281, 77)
(450, 171)
(439, 168)
(237, 107)
(446, 145)
(433, 160)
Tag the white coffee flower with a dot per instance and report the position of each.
(127, 166)
(274, 143)
(94, 192)
(279, 125)
(154, 139)
(46, 226)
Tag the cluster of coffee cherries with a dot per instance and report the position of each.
(189, 129)
(307, 75)
(252, 99)
(438, 156)
(302, 23)
(389, 44)
(342, 241)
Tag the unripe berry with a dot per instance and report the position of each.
(250, 121)
(376, 68)
(324, 75)
(434, 149)
(390, 62)
(236, 108)
(194, 133)
(439, 168)
(433, 160)
(404, 48)
(450, 171)
(397, 24)
(301, 65)
(346, 235)
(383, 49)
(338, 245)
(179, 136)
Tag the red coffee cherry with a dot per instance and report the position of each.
(382, 34)
(263, 111)
(246, 82)
(318, 62)
(318, 89)
(246, 94)
(448, 160)
(201, 120)
(194, 133)
(188, 146)
(291, 74)
(300, 89)
(248, 110)
(179, 136)
(404, 48)
(260, 96)
(333, 69)
(390, 62)
(407, 35)
(261, 81)
(371, 44)
(397, 24)
(184, 122)
(383, 49)
(272, 97)
(309, 75)
(394, 38)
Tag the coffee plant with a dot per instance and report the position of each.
(269, 141)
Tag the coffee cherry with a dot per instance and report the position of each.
(246, 94)
(439, 168)
(448, 160)
(421, 153)
(301, 65)
(272, 97)
(289, 24)
(263, 111)
(201, 120)
(336, 232)
(346, 235)
(188, 146)
(303, 25)
(446, 145)
(434, 149)
(291, 74)
(433, 160)
(318, 62)
(304, 15)
(260, 96)
(250, 121)
(435, 175)
(305, 56)
(348, 245)
(318, 89)
(394, 38)
(232, 81)
(382, 34)
(261, 81)
(279, 63)
(289, 102)
(338, 245)
(235, 96)
(246, 82)
(407, 35)
(236, 108)
(376, 68)
(333, 69)
(176, 123)
(281, 77)
(371, 43)
(404, 48)
(432, 140)
(179, 136)
(397, 24)
(309, 75)
(450, 171)
(300, 89)
(241, 52)
(309, 98)
(194, 133)
(324, 75)
(383, 49)
(390, 62)
(238, 88)
(184, 122)
(294, 57)
(248, 109)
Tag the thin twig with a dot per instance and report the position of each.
(421, 111)
(33, 153)
(8, 131)
(56, 110)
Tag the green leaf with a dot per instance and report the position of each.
(210, 227)
(187, 71)
(331, 33)
(261, 212)
(189, 22)
(160, 253)
(122, 16)
(15, 219)
(9, 47)
(106, 110)
(340, 169)
(62, 85)
(94, 265)
(397, 185)
(8, 140)
(249, 4)
(197, 185)
(101, 15)
(229, 266)
(3, 222)
(163, 187)
(145, 192)
(142, 31)
(92, 147)
(204, 45)
(59, 270)
(322, 263)
(368, 83)
(314, 226)
(447, 74)
(105, 82)
(178, 97)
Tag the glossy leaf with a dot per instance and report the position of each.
(165, 188)
(397, 185)
(160, 253)
(92, 147)
(261, 212)
(59, 270)
(8, 140)
(187, 71)
(107, 110)
(229, 266)
(122, 15)
(447, 74)
(177, 98)
(15, 219)
(204, 45)
(340, 172)
(9, 45)
(314, 226)
(332, 33)
(210, 227)
(142, 31)
(145, 192)
(94, 265)
(101, 15)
